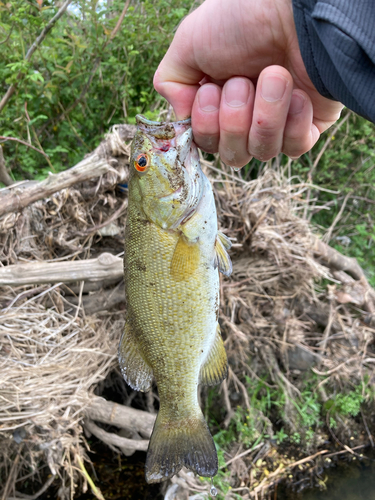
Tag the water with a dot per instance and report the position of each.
(213, 490)
(354, 480)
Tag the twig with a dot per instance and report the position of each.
(243, 454)
(5, 178)
(5, 138)
(11, 474)
(367, 429)
(101, 301)
(328, 235)
(119, 22)
(122, 416)
(281, 470)
(230, 412)
(346, 447)
(36, 495)
(92, 74)
(32, 49)
(346, 451)
(8, 36)
(335, 260)
(333, 370)
(317, 159)
(37, 139)
(113, 217)
(327, 330)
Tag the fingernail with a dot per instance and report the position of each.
(273, 88)
(236, 92)
(297, 104)
(208, 98)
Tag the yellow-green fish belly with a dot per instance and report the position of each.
(173, 320)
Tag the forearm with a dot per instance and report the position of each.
(337, 42)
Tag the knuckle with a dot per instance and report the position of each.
(233, 158)
(263, 150)
(266, 128)
(294, 148)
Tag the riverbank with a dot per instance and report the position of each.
(295, 317)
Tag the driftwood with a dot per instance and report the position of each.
(124, 417)
(357, 289)
(116, 442)
(20, 195)
(106, 266)
(335, 260)
(101, 301)
(136, 423)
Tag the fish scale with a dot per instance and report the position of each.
(169, 315)
(173, 252)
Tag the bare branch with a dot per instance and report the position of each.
(92, 74)
(106, 266)
(8, 36)
(127, 446)
(5, 138)
(32, 49)
(119, 22)
(118, 415)
(101, 301)
(5, 178)
(98, 163)
(335, 260)
(21, 195)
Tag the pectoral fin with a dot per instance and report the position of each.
(222, 259)
(135, 370)
(185, 259)
(215, 368)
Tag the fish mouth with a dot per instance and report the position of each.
(161, 130)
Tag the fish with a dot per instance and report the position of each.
(173, 255)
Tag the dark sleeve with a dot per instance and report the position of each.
(337, 43)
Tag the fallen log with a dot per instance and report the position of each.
(136, 423)
(101, 301)
(106, 266)
(108, 412)
(114, 441)
(18, 196)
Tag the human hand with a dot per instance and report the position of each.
(235, 67)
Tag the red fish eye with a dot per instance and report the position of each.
(141, 163)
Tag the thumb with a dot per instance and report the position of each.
(177, 77)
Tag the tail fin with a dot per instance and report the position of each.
(183, 443)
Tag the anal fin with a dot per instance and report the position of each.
(135, 370)
(185, 259)
(222, 259)
(215, 368)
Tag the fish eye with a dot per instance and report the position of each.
(142, 162)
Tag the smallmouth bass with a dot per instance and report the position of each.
(173, 255)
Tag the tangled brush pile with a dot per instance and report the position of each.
(59, 330)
